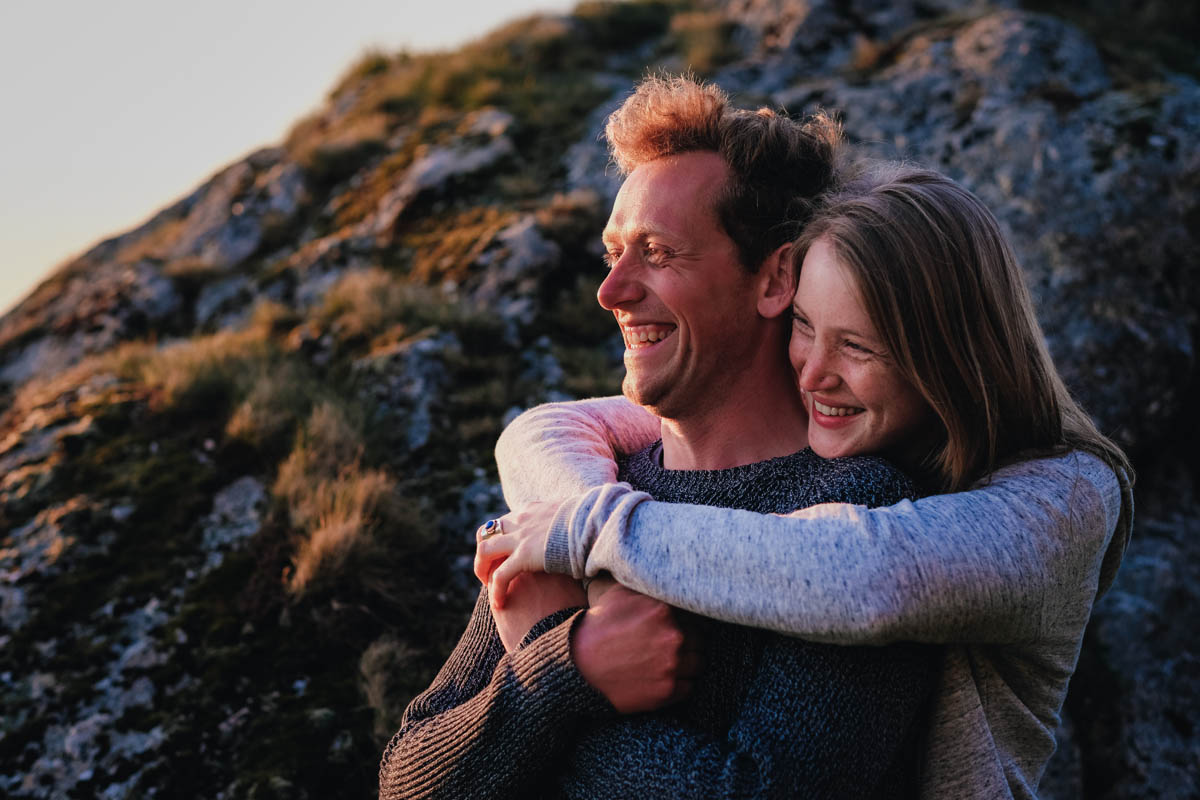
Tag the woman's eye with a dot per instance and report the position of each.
(858, 348)
(800, 321)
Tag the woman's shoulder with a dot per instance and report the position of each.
(1069, 474)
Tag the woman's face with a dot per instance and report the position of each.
(857, 400)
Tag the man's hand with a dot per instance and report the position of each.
(533, 597)
(630, 648)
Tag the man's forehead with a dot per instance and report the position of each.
(664, 195)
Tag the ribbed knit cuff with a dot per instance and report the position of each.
(558, 542)
(547, 623)
(546, 669)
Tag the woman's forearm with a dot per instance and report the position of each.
(1011, 561)
(557, 450)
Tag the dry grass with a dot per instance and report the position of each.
(342, 514)
(341, 511)
(278, 399)
(332, 151)
(445, 248)
(373, 306)
(205, 375)
(389, 674)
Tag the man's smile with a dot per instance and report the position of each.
(638, 337)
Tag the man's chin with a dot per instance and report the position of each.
(657, 399)
(639, 392)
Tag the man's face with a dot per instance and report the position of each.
(686, 307)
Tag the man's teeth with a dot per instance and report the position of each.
(837, 411)
(646, 336)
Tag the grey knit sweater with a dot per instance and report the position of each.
(1006, 574)
(770, 716)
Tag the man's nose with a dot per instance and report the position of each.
(620, 287)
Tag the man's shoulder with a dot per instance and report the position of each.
(866, 481)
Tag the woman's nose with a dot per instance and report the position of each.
(817, 373)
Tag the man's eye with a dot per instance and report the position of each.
(611, 258)
(654, 254)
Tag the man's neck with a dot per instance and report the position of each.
(745, 425)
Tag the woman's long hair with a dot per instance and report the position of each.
(944, 291)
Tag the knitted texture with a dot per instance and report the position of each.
(769, 716)
(490, 723)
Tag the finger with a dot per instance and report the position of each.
(496, 546)
(484, 559)
(485, 566)
(500, 580)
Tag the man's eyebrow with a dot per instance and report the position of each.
(641, 233)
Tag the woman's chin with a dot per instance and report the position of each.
(829, 450)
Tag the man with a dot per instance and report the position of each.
(700, 285)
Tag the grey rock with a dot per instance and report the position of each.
(1136, 694)
(436, 166)
(406, 382)
(231, 215)
(236, 516)
(512, 267)
(91, 312)
(489, 122)
(219, 295)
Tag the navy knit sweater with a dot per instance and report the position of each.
(770, 716)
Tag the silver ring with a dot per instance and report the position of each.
(493, 527)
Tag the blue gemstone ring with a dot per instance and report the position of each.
(491, 528)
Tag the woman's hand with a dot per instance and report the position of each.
(521, 548)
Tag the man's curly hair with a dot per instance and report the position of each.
(778, 165)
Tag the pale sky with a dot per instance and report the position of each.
(111, 110)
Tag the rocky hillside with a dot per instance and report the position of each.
(244, 446)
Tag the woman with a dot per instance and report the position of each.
(1028, 525)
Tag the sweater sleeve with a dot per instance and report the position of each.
(558, 450)
(989, 565)
(490, 723)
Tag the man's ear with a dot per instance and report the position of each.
(776, 282)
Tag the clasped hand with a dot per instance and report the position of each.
(629, 647)
(522, 548)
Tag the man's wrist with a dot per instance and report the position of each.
(548, 623)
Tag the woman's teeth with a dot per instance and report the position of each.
(837, 411)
